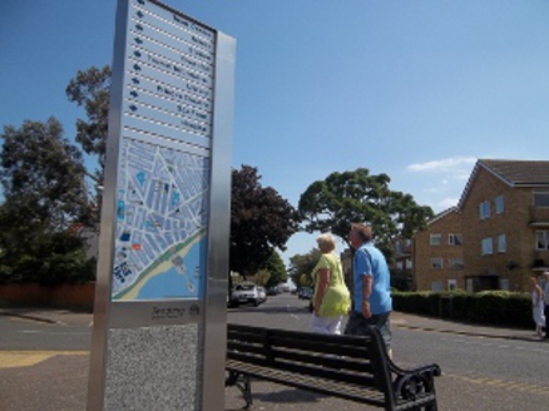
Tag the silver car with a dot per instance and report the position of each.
(245, 293)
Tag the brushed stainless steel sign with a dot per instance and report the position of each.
(162, 280)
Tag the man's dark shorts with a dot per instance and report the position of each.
(357, 324)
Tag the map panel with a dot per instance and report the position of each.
(162, 211)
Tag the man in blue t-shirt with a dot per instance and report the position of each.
(371, 287)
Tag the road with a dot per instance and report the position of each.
(478, 373)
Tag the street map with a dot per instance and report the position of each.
(161, 223)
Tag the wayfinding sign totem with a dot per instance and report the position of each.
(160, 321)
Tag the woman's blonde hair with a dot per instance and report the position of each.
(326, 242)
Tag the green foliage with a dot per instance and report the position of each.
(43, 180)
(488, 307)
(90, 89)
(302, 265)
(261, 220)
(277, 270)
(344, 198)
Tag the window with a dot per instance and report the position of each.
(487, 246)
(456, 263)
(504, 284)
(399, 265)
(469, 285)
(499, 204)
(542, 240)
(409, 264)
(455, 239)
(452, 284)
(502, 243)
(436, 239)
(436, 263)
(541, 199)
(484, 210)
(436, 286)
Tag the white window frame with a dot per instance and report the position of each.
(437, 263)
(502, 243)
(487, 246)
(453, 237)
(433, 237)
(544, 203)
(504, 284)
(500, 204)
(544, 236)
(436, 286)
(469, 285)
(456, 263)
(484, 210)
(452, 284)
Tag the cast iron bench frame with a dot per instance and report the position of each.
(348, 367)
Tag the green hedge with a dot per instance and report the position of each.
(498, 308)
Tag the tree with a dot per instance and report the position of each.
(356, 196)
(45, 193)
(277, 270)
(302, 265)
(90, 89)
(261, 220)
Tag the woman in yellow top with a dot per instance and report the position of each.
(331, 299)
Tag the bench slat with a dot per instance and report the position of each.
(333, 347)
(343, 363)
(245, 347)
(351, 341)
(331, 374)
(311, 383)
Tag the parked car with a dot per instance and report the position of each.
(272, 291)
(245, 293)
(262, 294)
(305, 293)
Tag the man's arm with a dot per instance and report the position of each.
(367, 282)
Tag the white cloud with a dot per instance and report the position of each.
(446, 165)
(447, 203)
(431, 190)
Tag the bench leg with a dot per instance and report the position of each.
(247, 391)
(243, 383)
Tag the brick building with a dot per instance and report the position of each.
(496, 238)
(438, 253)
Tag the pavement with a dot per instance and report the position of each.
(398, 319)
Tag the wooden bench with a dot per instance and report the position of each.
(353, 368)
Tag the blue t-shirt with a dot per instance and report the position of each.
(369, 260)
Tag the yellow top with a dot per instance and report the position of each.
(337, 299)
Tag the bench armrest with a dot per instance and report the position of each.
(414, 382)
(433, 369)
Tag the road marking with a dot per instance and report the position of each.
(507, 385)
(14, 359)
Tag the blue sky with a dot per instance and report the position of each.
(415, 89)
